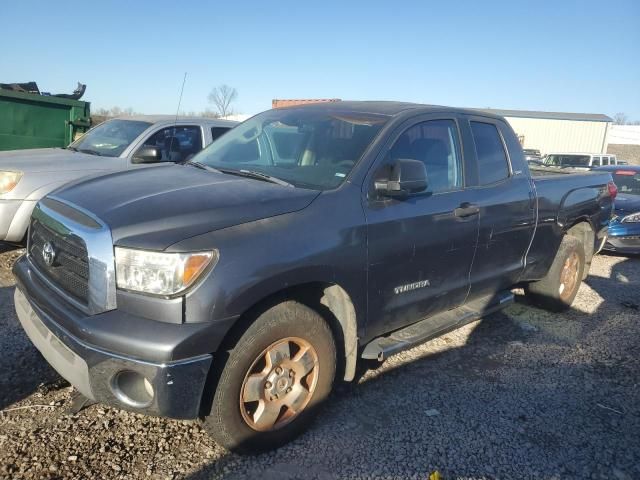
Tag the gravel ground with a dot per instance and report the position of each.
(522, 394)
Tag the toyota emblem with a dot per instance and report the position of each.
(48, 253)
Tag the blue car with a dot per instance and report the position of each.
(624, 229)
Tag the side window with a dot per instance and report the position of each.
(492, 159)
(552, 160)
(178, 143)
(435, 143)
(217, 132)
(596, 161)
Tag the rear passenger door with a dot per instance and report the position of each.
(420, 248)
(504, 196)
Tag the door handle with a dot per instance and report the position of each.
(466, 209)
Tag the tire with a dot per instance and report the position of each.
(557, 290)
(242, 424)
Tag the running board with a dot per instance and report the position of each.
(382, 347)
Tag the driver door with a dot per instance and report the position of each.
(421, 247)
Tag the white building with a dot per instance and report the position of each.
(559, 132)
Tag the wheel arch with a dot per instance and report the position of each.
(329, 299)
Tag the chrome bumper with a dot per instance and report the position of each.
(170, 389)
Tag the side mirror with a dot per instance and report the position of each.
(147, 155)
(407, 176)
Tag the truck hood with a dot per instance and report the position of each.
(53, 160)
(157, 207)
(626, 204)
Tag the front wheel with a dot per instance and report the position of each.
(557, 290)
(274, 380)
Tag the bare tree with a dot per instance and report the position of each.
(620, 119)
(222, 97)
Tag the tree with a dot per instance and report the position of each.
(620, 119)
(222, 97)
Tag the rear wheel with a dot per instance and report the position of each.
(557, 290)
(275, 378)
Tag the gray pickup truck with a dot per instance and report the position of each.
(236, 287)
(119, 144)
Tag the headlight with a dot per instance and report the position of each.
(159, 273)
(8, 181)
(633, 218)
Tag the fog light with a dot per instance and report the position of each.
(132, 388)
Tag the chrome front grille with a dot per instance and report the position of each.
(70, 267)
(71, 250)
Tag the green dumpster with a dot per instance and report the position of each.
(28, 120)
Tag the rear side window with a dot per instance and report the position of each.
(218, 132)
(492, 159)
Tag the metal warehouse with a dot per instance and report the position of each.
(559, 132)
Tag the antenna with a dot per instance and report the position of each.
(175, 123)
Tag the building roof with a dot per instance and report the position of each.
(580, 117)
(288, 102)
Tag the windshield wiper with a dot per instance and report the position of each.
(73, 149)
(89, 151)
(256, 175)
(202, 166)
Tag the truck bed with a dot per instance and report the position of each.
(566, 197)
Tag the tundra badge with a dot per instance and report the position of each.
(411, 286)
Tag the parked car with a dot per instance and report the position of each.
(119, 144)
(579, 160)
(236, 287)
(624, 230)
(531, 155)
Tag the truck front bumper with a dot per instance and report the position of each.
(170, 389)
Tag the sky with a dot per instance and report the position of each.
(572, 56)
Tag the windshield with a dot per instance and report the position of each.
(304, 147)
(110, 138)
(627, 181)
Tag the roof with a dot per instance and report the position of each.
(172, 118)
(378, 107)
(580, 117)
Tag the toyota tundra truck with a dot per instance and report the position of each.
(236, 288)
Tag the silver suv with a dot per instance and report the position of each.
(26, 176)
